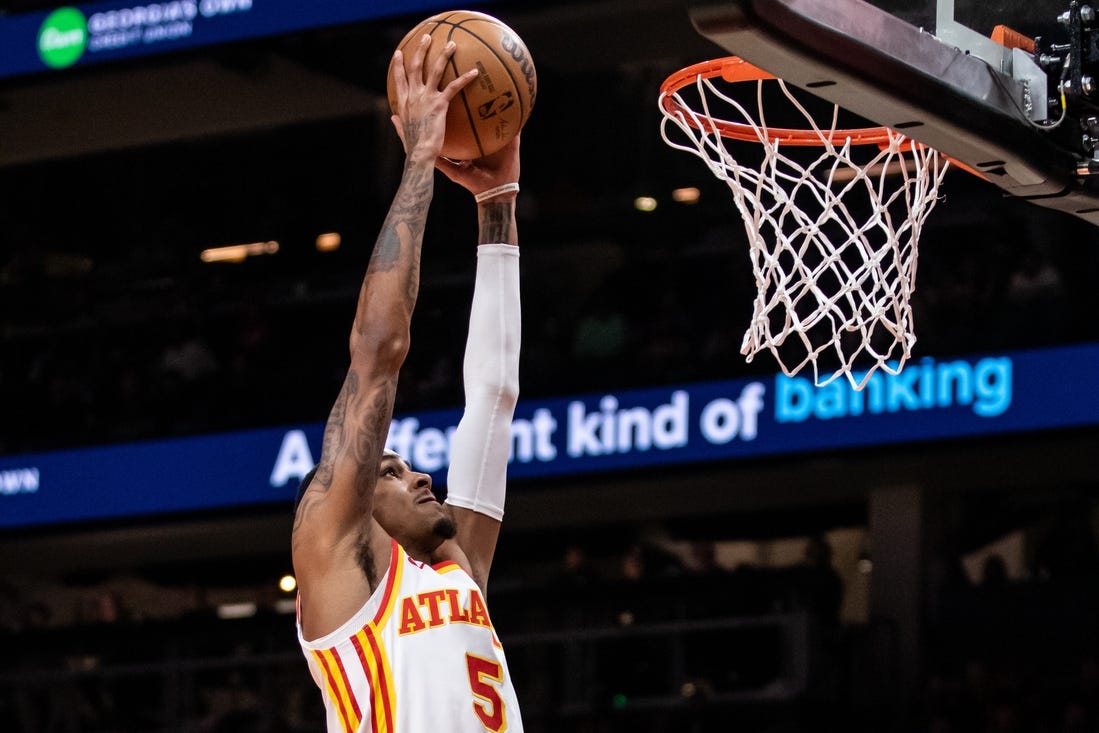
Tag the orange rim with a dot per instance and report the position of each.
(734, 69)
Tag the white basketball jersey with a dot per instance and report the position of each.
(420, 656)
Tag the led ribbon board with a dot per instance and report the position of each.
(931, 399)
(79, 35)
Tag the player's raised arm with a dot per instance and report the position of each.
(477, 478)
(334, 533)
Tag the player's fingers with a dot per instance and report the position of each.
(450, 165)
(438, 66)
(400, 79)
(452, 89)
(416, 63)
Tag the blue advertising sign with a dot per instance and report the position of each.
(929, 400)
(79, 35)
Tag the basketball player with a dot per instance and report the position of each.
(392, 616)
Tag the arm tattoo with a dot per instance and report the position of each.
(387, 250)
(496, 222)
(407, 215)
(333, 432)
(414, 191)
(364, 438)
(304, 507)
(370, 437)
(333, 442)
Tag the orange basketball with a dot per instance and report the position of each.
(492, 109)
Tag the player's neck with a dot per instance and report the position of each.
(423, 551)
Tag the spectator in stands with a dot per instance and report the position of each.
(1067, 548)
(106, 607)
(576, 571)
(820, 586)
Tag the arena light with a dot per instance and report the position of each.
(239, 252)
(288, 583)
(686, 195)
(236, 610)
(329, 242)
(644, 203)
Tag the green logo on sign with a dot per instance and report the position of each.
(62, 38)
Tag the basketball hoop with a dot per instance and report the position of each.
(833, 240)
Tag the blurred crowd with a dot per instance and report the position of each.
(1017, 648)
(646, 636)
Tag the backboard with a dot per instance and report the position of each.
(1033, 17)
(1021, 117)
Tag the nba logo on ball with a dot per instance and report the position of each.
(493, 108)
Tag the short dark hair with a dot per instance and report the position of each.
(304, 486)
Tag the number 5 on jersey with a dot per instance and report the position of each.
(482, 674)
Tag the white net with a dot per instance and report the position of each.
(833, 239)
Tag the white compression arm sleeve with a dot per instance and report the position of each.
(477, 476)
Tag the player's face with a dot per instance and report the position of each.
(405, 506)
